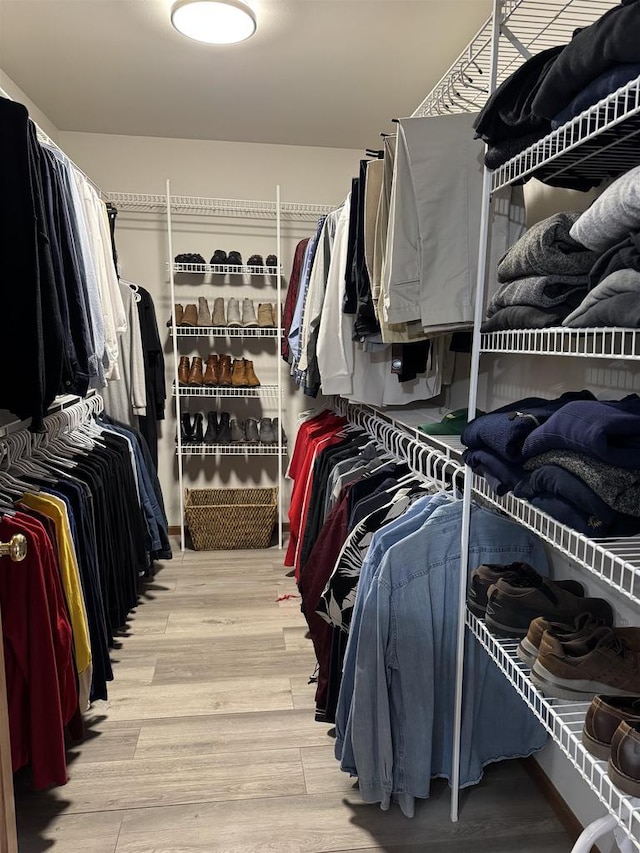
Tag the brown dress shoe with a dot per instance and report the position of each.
(195, 374)
(603, 717)
(183, 370)
(179, 312)
(224, 376)
(239, 374)
(212, 370)
(624, 763)
(190, 316)
(251, 380)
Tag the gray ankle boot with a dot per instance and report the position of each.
(267, 435)
(204, 316)
(237, 432)
(218, 312)
(233, 313)
(249, 319)
(275, 432)
(251, 431)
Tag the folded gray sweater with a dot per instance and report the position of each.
(613, 302)
(547, 249)
(619, 488)
(612, 216)
(539, 291)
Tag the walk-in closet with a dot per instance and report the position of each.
(319, 414)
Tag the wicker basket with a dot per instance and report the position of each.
(228, 519)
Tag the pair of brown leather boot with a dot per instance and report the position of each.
(218, 370)
(190, 371)
(243, 374)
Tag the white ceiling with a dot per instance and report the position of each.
(318, 72)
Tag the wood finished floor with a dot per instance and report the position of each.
(208, 743)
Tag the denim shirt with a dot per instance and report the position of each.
(402, 712)
(412, 520)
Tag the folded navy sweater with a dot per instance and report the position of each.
(505, 430)
(607, 430)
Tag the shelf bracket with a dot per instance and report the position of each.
(515, 41)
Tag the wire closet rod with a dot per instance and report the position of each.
(45, 139)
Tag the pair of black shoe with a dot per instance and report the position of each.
(189, 258)
(218, 430)
(233, 259)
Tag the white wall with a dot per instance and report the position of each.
(223, 170)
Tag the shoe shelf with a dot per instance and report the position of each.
(615, 343)
(200, 206)
(214, 391)
(615, 561)
(239, 449)
(602, 142)
(224, 332)
(563, 720)
(225, 269)
(532, 26)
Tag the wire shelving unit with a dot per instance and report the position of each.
(563, 720)
(215, 391)
(611, 343)
(225, 269)
(226, 207)
(224, 332)
(239, 449)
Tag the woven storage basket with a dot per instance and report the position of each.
(227, 519)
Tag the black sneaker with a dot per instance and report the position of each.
(515, 601)
(488, 573)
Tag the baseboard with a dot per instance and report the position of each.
(560, 808)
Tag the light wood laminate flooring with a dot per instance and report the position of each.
(208, 742)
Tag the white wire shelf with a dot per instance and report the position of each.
(192, 449)
(602, 142)
(615, 561)
(615, 343)
(563, 720)
(531, 26)
(224, 269)
(197, 206)
(213, 391)
(223, 332)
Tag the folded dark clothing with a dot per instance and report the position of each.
(617, 487)
(558, 482)
(607, 430)
(499, 153)
(589, 525)
(614, 302)
(507, 113)
(505, 430)
(547, 249)
(526, 317)
(499, 474)
(545, 291)
(598, 89)
(612, 40)
(625, 255)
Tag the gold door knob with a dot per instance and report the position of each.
(15, 548)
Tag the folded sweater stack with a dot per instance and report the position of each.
(575, 458)
(543, 277)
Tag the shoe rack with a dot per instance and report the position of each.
(229, 210)
(601, 141)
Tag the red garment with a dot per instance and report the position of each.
(309, 434)
(36, 632)
(317, 571)
(292, 296)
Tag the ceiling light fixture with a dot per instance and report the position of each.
(214, 21)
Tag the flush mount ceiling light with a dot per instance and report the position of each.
(214, 21)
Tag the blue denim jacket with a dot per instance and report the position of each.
(401, 720)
